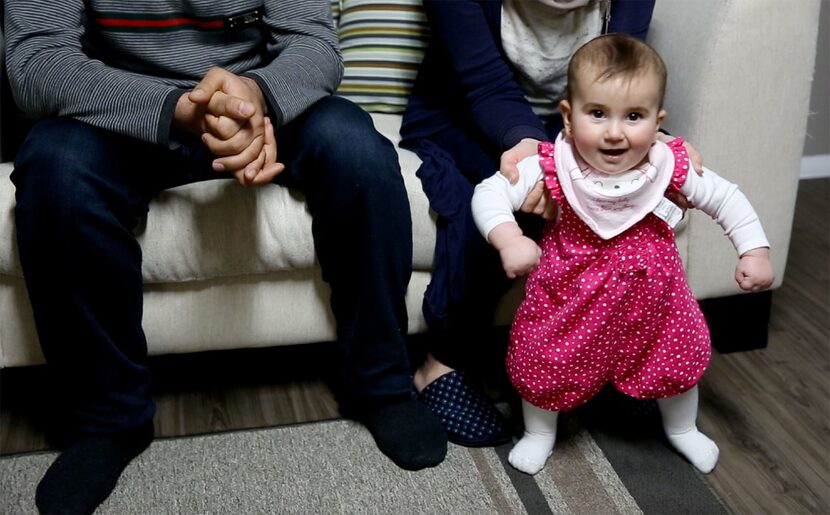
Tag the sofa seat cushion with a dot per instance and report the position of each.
(217, 229)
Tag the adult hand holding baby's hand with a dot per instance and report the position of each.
(508, 164)
(697, 163)
(537, 200)
(754, 270)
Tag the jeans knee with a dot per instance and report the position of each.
(346, 135)
(335, 121)
(57, 174)
(46, 157)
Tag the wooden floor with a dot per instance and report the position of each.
(769, 410)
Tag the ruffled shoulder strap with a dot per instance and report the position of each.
(681, 163)
(548, 164)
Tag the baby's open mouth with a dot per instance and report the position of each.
(613, 151)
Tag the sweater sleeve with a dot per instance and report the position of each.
(495, 199)
(728, 206)
(307, 65)
(631, 17)
(492, 96)
(50, 75)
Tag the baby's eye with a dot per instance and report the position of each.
(596, 113)
(633, 117)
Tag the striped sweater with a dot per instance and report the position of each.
(121, 65)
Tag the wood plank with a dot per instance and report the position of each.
(769, 410)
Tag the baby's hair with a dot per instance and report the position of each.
(616, 54)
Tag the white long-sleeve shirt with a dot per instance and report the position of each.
(495, 200)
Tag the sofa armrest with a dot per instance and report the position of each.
(740, 73)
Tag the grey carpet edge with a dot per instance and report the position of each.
(526, 488)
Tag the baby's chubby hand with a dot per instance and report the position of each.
(519, 254)
(754, 270)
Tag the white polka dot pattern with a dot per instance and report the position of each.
(597, 311)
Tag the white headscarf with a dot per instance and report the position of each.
(539, 37)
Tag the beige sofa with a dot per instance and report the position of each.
(227, 267)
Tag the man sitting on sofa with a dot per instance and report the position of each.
(133, 100)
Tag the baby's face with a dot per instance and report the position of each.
(614, 122)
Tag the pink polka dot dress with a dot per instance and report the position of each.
(600, 311)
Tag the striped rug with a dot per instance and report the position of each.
(334, 467)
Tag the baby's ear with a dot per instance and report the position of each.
(565, 110)
(660, 117)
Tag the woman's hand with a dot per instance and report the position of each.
(697, 163)
(537, 200)
(508, 165)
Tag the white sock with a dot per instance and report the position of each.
(679, 414)
(533, 449)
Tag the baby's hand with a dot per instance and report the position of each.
(520, 256)
(754, 270)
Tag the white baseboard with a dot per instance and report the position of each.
(815, 167)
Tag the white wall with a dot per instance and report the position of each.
(816, 162)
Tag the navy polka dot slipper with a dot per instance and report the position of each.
(469, 417)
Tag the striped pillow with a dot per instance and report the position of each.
(335, 12)
(382, 44)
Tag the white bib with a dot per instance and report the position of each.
(611, 204)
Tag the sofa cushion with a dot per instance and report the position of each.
(218, 229)
(382, 44)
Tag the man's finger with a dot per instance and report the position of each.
(252, 169)
(214, 80)
(241, 160)
(239, 175)
(267, 174)
(223, 127)
(230, 147)
(222, 104)
(270, 142)
(271, 168)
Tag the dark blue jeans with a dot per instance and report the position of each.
(82, 191)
